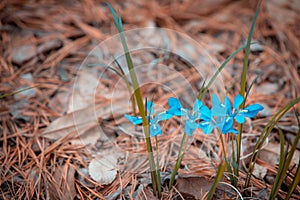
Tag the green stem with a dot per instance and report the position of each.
(179, 159)
(158, 170)
(223, 146)
(138, 96)
(242, 92)
(204, 90)
(219, 176)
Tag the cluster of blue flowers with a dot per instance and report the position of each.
(220, 116)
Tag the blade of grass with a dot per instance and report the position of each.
(285, 161)
(125, 79)
(265, 133)
(158, 169)
(297, 175)
(294, 183)
(138, 96)
(220, 173)
(179, 159)
(158, 179)
(281, 164)
(242, 93)
(128, 85)
(204, 90)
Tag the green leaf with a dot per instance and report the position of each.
(242, 91)
(220, 173)
(137, 94)
(265, 133)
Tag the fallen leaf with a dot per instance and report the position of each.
(195, 187)
(271, 154)
(84, 90)
(103, 170)
(89, 136)
(81, 122)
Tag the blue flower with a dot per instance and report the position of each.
(240, 114)
(223, 123)
(155, 128)
(225, 113)
(190, 117)
(208, 124)
(218, 109)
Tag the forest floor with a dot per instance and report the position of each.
(60, 139)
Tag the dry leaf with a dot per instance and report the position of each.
(194, 187)
(103, 170)
(271, 154)
(90, 136)
(84, 91)
(81, 122)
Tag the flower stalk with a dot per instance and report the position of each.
(179, 159)
(137, 94)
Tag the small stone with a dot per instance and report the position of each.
(16, 110)
(256, 46)
(63, 75)
(28, 77)
(259, 171)
(23, 54)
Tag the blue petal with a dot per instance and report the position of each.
(228, 105)
(228, 126)
(163, 116)
(231, 130)
(190, 127)
(215, 99)
(218, 108)
(240, 118)
(133, 119)
(220, 123)
(238, 100)
(206, 127)
(175, 107)
(197, 105)
(150, 108)
(173, 102)
(155, 130)
(205, 114)
(252, 110)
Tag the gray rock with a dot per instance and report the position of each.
(23, 54)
